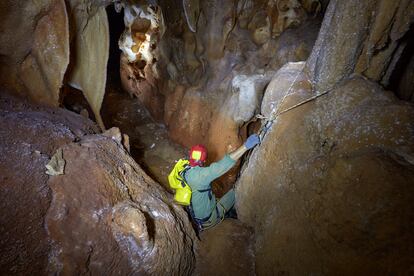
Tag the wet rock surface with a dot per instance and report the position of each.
(331, 187)
(31, 34)
(103, 215)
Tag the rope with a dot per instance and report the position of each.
(275, 112)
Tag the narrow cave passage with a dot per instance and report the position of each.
(153, 149)
(149, 143)
(328, 190)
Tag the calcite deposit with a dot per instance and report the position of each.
(90, 50)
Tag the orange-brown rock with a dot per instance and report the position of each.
(139, 80)
(331, 184)
(114, 214)
(103, 215)
(30, 135)
(34, 46)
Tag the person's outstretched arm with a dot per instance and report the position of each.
(251, 142)
(217, 169)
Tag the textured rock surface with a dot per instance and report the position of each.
(34, 48)
(40, 41)
(206, 46)
(104, 215)
(29, 137)
(344, 46)
(226, 249)
(330, 188)
(114, 214)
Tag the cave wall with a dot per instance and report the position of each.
(329, 190)
(34, 48)
(46, 44)
(370, 44)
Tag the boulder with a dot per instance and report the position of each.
(99, 214)
(30, 136)
(330, 187)
(106, 210)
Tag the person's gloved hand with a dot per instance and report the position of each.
(252, 141)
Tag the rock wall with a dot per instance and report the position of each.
(103, 215)
(49, 43)
(106, 210)
(329, 190)
(369, 44)
(34, 48)
(29, 137)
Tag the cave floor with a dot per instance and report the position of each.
(223, 250)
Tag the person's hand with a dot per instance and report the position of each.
(252, 141)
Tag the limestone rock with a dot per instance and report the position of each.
(104, 215)
(29, 135)
(114, 213)
(141, 82)
(226, 249)
(290, 78)
(248, 91)
(34, 43)
(331, 184)
(344, 47)
(56, 166)
(192, 12)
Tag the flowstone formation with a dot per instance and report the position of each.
(100, 214)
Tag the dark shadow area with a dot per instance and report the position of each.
(116, 27)
(75, 101)
(401, 81)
